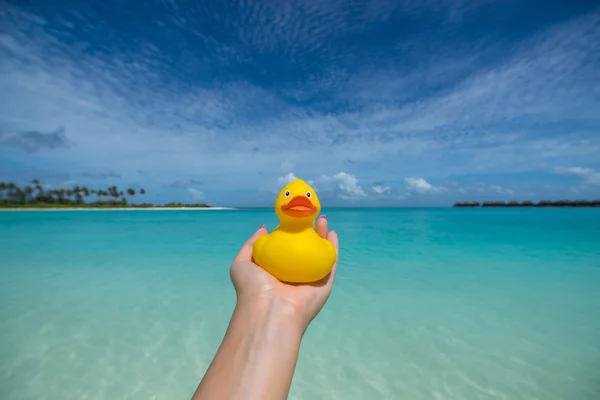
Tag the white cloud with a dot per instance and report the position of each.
(589, 175)
(485, 188)
(421, 186)
(499, 189)
(117, 110)
(526, 86)
(378, 189)
(346, 185)
(196, 194)
(283, 25)
(342, 184)
(284, 180)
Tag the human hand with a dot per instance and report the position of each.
(300, 301)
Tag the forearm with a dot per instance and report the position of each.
(257, 357)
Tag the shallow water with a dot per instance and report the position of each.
(428, 304)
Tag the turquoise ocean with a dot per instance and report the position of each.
(428, 304)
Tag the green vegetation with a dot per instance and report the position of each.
(36, 196)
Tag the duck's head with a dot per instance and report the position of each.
(297, 204)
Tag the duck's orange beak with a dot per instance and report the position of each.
(299, 207)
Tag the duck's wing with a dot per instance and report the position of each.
(257, 247)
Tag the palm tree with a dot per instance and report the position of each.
(77, 192)
(28, 192)
(86, 192)
(70, 192)
(12, 187)
(61, 195)
(35, 192)
(40, 189)
(49, 197)
(21, 196)
(113, 191)
(131, 192)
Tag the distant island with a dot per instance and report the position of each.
(527, 203)
(36, 196)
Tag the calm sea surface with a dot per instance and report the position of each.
(428, 304)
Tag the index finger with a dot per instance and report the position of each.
(332, 236)
(245, 253)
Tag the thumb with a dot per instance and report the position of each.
(245, 253)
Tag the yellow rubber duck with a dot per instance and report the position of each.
(294, 252)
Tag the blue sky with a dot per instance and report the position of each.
(377, 103)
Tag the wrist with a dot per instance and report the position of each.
(274, 312)
(258, 355)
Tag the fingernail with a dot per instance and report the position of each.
(323, 216)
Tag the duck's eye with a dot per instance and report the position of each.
(287, 193)
(308, 194)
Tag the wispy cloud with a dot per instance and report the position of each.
(378, 189)
(418, 112)
(341, 185)
(493, 189)
(420, 186)
(284, 180)
(589, 175)
(32, 141)
(345, 185)
(102, 175)
(295, 29)
(501, 190)
(196, 194)
(182, 184)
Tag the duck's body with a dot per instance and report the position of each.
(295, 256)
(294, 252)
